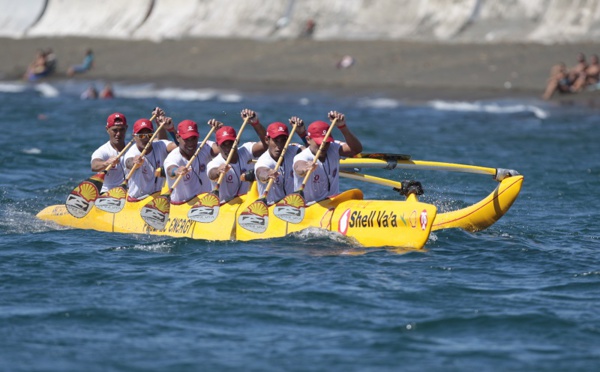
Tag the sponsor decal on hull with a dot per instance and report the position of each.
(206, 210)
(381, 218)
(110, 205)
(81, 200)
(423, 219)
(290, 209)
(256, 219)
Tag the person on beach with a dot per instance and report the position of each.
(149, 176)
(283, 179)
(590, 77)
(86, 65)
(194, 179)
(240, 171)
(559, 81)
(38, 68)
(325, 178)
(105, 155)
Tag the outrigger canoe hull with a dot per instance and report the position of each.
(405, 224)
(371, 223)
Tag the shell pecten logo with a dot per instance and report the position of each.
(259, 209)
(209, 200)
(117, 193)
(294, 201)
(161, 204)
(87, 191)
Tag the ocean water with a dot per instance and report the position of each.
(522, 295)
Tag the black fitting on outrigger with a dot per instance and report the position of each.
(410, 187)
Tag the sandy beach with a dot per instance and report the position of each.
(396, 68)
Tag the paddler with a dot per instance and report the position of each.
(150, 174)
(283, 179)
(107, 154)
(325, 177)
(240, 171)
(194, 180)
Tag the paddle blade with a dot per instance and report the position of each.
(156, 212)
(81, 200)
(206, 209)
(255, 218)
(291, 208)
(113, 200)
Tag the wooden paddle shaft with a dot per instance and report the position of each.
(281, 156)
(148, 145)
(233, 148)
(189, 163)
(121, 154)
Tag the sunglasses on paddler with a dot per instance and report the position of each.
(143, 135)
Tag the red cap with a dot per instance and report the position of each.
(114, 118)
(317, 131)
(142, 124)
(187, 129)
(277, 129)
(225, 134)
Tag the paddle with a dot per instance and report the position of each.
(113, 200)
(255, 217)
(291, 208)
(391, 161)
(81, 200)
(156, 212)
(372, 179)
(206, 209)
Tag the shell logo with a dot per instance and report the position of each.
(87, 191)
(343, 222)
(259, 209)
(294, 200)
(209, 200)
(117, 192)
(161, 204)
(423, 219)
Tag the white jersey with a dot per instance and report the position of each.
(143, 181)
(196, 181)
(284, 183)
(325, 179)
(231, 184)
(115, 176)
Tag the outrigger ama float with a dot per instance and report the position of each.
(371, 223)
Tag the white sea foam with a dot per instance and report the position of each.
(12, 87)
(492, 108)
(32, 151)
(382, 103)
(47, 90)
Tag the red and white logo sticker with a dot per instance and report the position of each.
(343, 223)
(423, 219)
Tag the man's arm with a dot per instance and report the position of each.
(352, 145)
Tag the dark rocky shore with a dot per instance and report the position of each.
(400, 69)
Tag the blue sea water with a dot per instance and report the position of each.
(522, 295)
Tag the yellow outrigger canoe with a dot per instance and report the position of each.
(370, 223)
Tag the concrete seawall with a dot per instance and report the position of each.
(478, 21)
